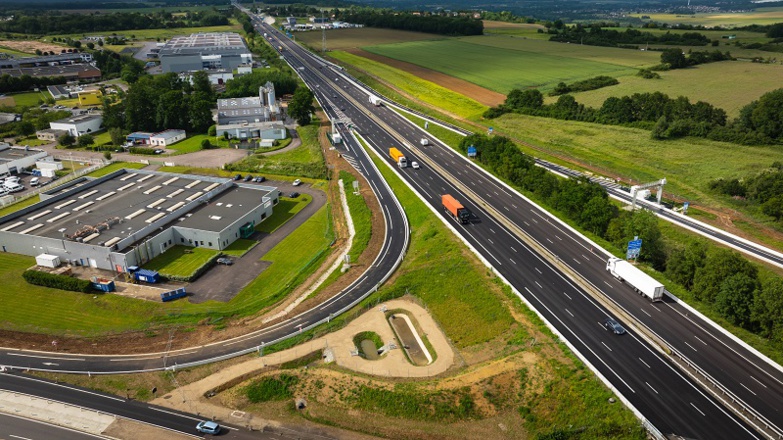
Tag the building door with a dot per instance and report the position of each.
(93, 263)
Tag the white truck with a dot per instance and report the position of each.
(640, 281)
(424, 141)
(374, 100)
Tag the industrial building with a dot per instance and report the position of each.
(226, 50)
(167, 137)
(78, 125)
(254, 117)
(14, 159)
(73, 66)
(129, 217)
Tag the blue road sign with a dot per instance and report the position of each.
(634, 248)
(472, 151)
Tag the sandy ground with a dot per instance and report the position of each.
(191, 398)
(30, 46)
(482, 95)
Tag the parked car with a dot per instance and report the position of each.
(613, 326)
(208, 427)
(293, 195)
(260, 179)
(297, 182)
(34, 181)
(248, 178)
(225, 260)
(158, 151)
(238, 177)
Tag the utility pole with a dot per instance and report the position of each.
(323, 33)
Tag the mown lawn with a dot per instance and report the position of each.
(426, 91)
(29, 99)
(240, 247)
(501, 63)
(193, 143)
(360, 215)
(303, 161)
(114, 166)
(180, 261)
(282, 212)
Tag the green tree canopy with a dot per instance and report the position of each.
(301, 106)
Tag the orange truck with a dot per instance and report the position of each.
(455, 208)
(398, 157)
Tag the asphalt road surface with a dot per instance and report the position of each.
(16, 428)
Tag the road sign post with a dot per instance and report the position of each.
(634, 249)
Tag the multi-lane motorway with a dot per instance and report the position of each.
(631, 364)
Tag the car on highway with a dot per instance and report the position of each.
(613, 326)
(208, 427)
(297, 182)
(415, 165)
(225, 261)
(293, 195)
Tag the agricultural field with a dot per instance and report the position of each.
(149, 10)
(727, 20)
(151, 34)
(729, 85)
(341, 39)
(28, 47)
(502, 63)
(526, 30)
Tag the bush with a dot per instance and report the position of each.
(271, 388)
(142, 150)
(62, 282)
(648, 74)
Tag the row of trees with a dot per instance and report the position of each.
(53, 22)
(595, 35)
(675, 58)
(23, 83)
(759, 121)
(585, 85)
(764, 189)
(718, 277)
(433, 24)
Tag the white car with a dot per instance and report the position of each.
(297, 182)
(415, 165)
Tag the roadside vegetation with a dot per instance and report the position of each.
(360, 216)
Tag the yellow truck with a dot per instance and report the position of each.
(398, 157)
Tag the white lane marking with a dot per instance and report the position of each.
(538, 270)
(45, 357)
(19, 437)
(514, 206)
(607, 347)
(512, 249)
(567, 295)
(525, 222)
(651, 387)
(759, 382)
(610, 286)
(699, 339)
(492, 231)
(569, 312)
(482, 246)
(512, 261)
(32, 379)
(576, 261)
(645, 363)
(539, 285)
(558, 237)
(583, 256)
(691, 346)
(697, 409)
(743, 386)
(549, 240)
(506, 208)
(534, 220)
(490, 241)
(645, 312)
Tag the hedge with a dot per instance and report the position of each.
(62, 282)
(142, 150)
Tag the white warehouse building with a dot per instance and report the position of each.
(167, 137)
(78, 125)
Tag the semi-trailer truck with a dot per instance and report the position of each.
(634, 277)
(374, 100)
(398, 157)
(455, 208)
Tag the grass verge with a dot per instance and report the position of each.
(181, 261)
(283, 211)
(360, 215)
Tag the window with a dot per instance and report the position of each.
(210, 244)
(263, 215)
(169, 242)
(190, 241)
(202, 243)
(182, 239)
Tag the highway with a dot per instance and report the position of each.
(16, 428)
(650, 382)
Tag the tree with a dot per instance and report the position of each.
(683, 262)
(674, 58)
(66, 140)
(768, 308)
(521, 99)
(26, 128)
(301, 106)
(85, 140)
(91, 45)
(643, 224)
(735, 299)
(206, 144)
(117, 138)
(719, 265)
(107, 155)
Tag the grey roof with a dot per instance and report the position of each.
(78, 119)
(16, 62)
(16, 153)
(226, 208)
(211, 43)
(67, 70)
(168, 134)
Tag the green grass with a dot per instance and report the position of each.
(729, 85)
(283, 212)
(102, 138)
(736, 19)
(193, 143)
(114, 166)
(426, 91)
(526, 30)
(19, 205)
(304, 161)
(240, 247)
(151, 34)
(501, 63)
(341, 39)
(374, 337)
(13, 52)
(31, 141)
(180, 261)
(360, 215)
(29, 99)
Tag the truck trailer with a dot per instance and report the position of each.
(455, 208)
(640, 281)
(374, 100)
(398, 157)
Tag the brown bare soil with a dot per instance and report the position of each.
(484, 96)
(157, 340)
(489, 24)
(30, 46)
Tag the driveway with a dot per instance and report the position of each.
(222, 283)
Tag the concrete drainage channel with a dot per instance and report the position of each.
(411, 342)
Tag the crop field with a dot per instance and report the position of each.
(502, 63)
(341, 39)
(527, 30)
(424, 90)
(729, 85)
(180, 260)
(759, 16)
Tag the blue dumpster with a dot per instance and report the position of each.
(172, 295)
(103, 285)
(148, 276)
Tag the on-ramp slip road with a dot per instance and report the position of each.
(662, 393)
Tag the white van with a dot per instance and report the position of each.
(34, 181)
(13, 187)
